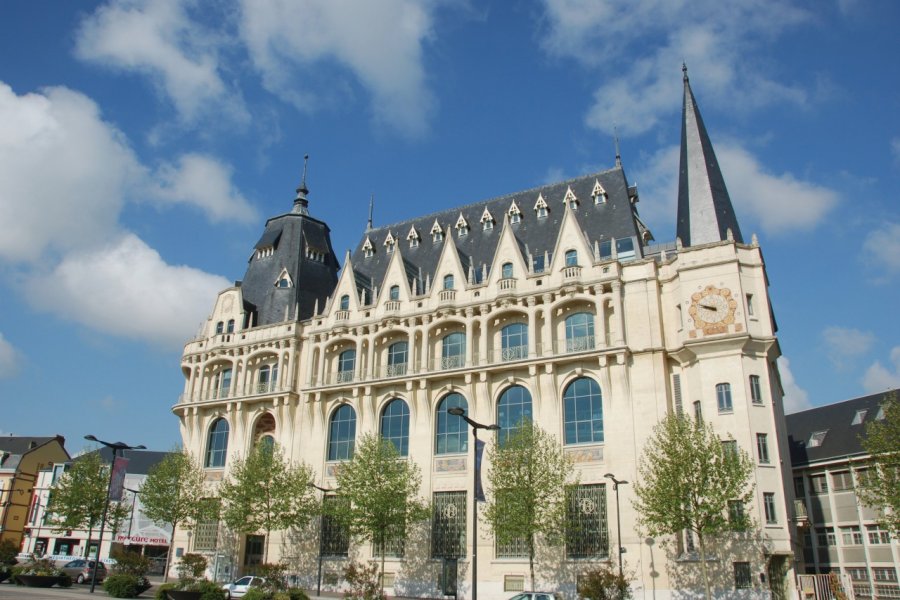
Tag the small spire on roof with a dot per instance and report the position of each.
(301, 203)
(616, 138)
(684, 71)
(371, 208)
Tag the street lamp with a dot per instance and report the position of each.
(116, 448)
(616, 484)
(134, 494)
(324, 491)
(461, 413)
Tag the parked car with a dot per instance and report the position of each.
(81, 570)
(536, 596)
(237, 589)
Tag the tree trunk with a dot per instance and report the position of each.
(701, 542)
(531, 559)
(266, 547)
(169, 553)
(382, 562)
(87, 545)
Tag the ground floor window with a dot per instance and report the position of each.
(742, 576)
(448, 525)
(587, 533)
(335, 540)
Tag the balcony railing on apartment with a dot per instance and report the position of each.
(447, 296)
(506, 285)
(253, 389)
(392, 306)
(571, 273)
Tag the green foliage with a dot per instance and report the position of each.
(265, 492)
(603, 583)
(77, 499)
(881, 488)
(275, 575)
(363, 582)
(162, 589)
(529, 478)
(192, 566)
(209, 589)
(130, 563)
(8, 552)
(687, 479)
(121, 585)
(381, 493)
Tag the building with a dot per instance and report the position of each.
(840, 533)
(136, 533)
(21, 458)
(550, 303)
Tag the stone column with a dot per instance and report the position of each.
(620, 317)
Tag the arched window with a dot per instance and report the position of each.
(579, 332)
(453, 351)
(398, 355)
(723, 395)
(346, 364)
(230, 328)
(448, 282)
(284, 282)
(342, 433)
(220, 327)
(395, 292)
(268, 376)
(222, 384)
(395, 425)
(217, 444)
(345, 302)
(506, 270)
(514, 341)
(452, 433)
(513, 409)
(571, 258)
(583, 404)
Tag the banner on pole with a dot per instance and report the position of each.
(117, 479)
(479, 451)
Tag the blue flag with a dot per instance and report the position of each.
(479, 452)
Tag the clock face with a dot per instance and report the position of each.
(713, 307)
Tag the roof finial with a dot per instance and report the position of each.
(684, 70)
(301, 203)
(371, 208)
(616, 138)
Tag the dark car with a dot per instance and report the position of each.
(81, 570)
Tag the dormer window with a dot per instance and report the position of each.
(515, 215)
(345, 302)
(571, 258)
(859, 417)
(487, 220)
(367, 248)
(284, 280)
(570, 199)
(437, 233)
(598, 193)
(506, 270)
(448, 282)
(412, 237)
(389, 243)
(265, 252)
(394, 292)
(816, 439)
(462, 226)
(540, 207)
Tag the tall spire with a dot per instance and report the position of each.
(705, 213)
(616, 137)
(371, 208)
(301, 203)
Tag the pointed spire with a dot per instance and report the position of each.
(301, 203)
(705, 213)
(616, 138)
(371, 208)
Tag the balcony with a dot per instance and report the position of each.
(447, 296)
(452, 362)
(580, 344)
(342, 315)
(506, 286)
(513, 353)
(572, 273)
(392, 306)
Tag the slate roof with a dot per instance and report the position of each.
(615, 218)
(841, 440)
(14, 447)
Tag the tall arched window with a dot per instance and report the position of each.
(506, 270)
(513, 409)
(230, 327)
(395, 425)
(452, 433)
(571, 258)
(222, 384)
(453, 351)
(448, 282)
(514, 341)
(217, 444)
(395, 292)
(579, 332)
(346, 364)
(345, 302)
(583, 404)
(342, 433)
(398, 356)
(220, 327)
(268, 376)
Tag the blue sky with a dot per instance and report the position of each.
(143, 144)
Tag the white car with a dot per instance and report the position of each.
(238, 588)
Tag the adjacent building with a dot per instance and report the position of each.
(839, 532)
(554, 304)
(21, 459)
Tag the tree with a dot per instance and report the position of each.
(530, 477)
(688, 480)
(265, 492)
(173, 494)
(77, 499)
(881, 487)
(381, 492)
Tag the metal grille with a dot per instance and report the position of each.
(206, 535)
(587, 530)
(335, 537)
(676, 392)
(394, 546)
(448, 525)
(514, 548)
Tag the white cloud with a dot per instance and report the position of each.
(160, 40)
(9, 359)
(795, 397)
(879, 378)
(204, 182)
(843, 344)
(127, 289)
(881, 249)
(380, 43)
(776, 203)
(653, 36)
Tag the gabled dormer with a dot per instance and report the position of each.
(572, 249)
(368, 248)
(437, 233)
(570, 200)
(487, 220)
(345, 299)
(462, 226)
(413, 237)
(390, 243)
(284, 280)
(508, 263)
(599, 193)
(395, 284)
(514, 214)
(449, 274)
(540, 207)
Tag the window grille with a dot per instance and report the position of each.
(205, 536)
(513, 583)
(513, 548)
(394, 545)
(587, 533)
(335, 538)
(742, 579)
(448, 525)
(676, 392)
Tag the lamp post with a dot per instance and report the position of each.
(324, 491)
(461, 413)
(134, 494)
(616, 484)
(116, 448)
